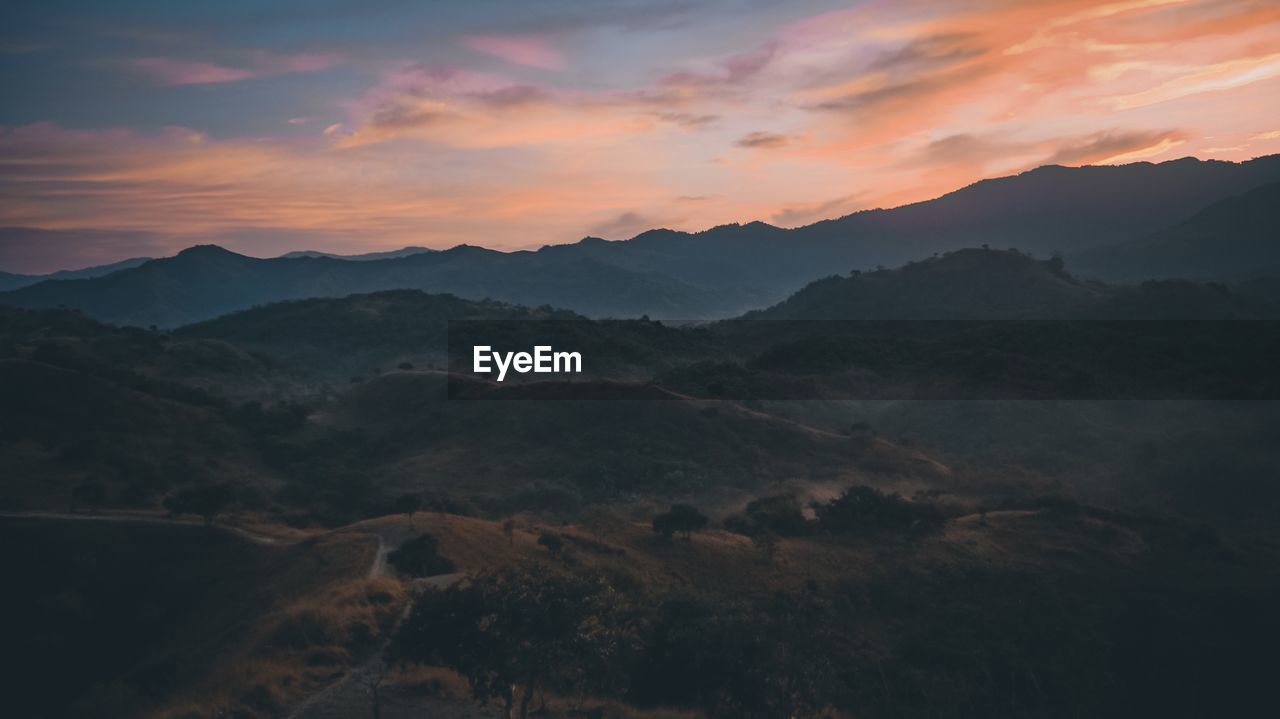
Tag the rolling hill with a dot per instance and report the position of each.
(1047, 210)
(207, 281)
(718, 273)
(9, 281)
(1236, 238)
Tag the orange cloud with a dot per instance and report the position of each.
(881, 104)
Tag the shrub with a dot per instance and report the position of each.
(683, 518)
(867, 510)
(420, 557)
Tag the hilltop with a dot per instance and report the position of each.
(721, 272)
(966, 284)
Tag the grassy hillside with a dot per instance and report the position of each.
(127, 619)
(1052, 611)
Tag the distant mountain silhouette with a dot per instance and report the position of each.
(207, 281)
(390, 254)
(1235, 238)
(9, 281)
(1048, 210)
(980, 284)
(967, 284)
(351, 334)
(720, 272)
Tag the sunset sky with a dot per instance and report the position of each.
(139, 127)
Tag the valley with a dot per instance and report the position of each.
(974, 483)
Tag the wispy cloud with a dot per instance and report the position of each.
(527, 131)
(760, 140)
(1115, 146)
(528, 50)
(255, 63)
(804, 214)
(628, 224)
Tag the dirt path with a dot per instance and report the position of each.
(350, 695)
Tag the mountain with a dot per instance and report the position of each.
(390, 254)
(717, 273)
(9, 281)
(984, 284)
(1054, 208)
(1235, 238)
(207, 281)
(351, 335)
(967, 284)
(1048, 210)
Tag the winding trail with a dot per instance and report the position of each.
(347, 696)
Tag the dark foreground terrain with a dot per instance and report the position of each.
(1059, 502)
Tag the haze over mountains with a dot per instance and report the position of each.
(1129, 223)
(11, 281)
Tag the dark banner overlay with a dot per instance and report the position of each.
(897, 359)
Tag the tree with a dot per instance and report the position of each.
(683, 518)
(420, 557)
(780, 514)
(407, 504)
(522, 630)
(552, 541)
(509, 531)
(206, 502)
(867, 510)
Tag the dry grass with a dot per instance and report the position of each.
(434, 682)
(316, 615)
(304, 643)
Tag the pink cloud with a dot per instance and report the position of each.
(172, 71)
(254, 63)
(527, 50)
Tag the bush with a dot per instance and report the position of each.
(779, 514)
(518, 628)
(867, 510)
(683, 518)
(420, 557)
(552, 542)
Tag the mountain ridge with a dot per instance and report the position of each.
(719, 272)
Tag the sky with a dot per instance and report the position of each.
(140, 127)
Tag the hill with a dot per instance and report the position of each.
(363, 257)
(358, 333)
(986, 284)
(205, 282)
(10, 281)
(967, 284)
(1233, 239)
(718, 273)
(138, 615)
(128, 416)
(1047, 210)
(1050, 608)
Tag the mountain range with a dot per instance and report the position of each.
(11, 281)
(1130, 222)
